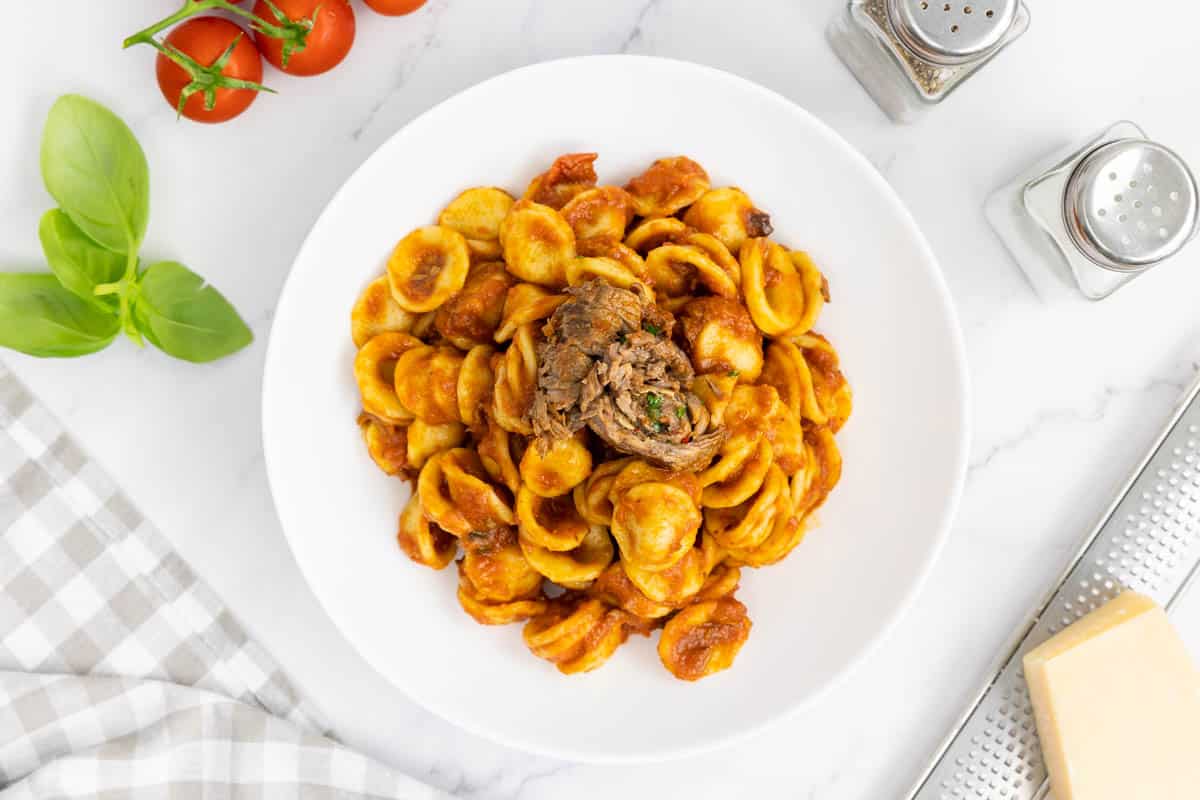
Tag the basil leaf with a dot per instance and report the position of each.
(39, 317)
(96, 170)
(185, 317)
(79, 263)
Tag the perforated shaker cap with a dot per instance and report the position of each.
(1130, 204)
(952, 33)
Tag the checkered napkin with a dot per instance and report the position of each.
(121, 674)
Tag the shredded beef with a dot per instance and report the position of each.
(608, 362)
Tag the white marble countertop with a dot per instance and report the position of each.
(1066, 396)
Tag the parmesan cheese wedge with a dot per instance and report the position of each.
(1117, 702)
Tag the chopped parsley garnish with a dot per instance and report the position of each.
(680, 412)
(733, 373)
(621, 337)
(653, 405)
(650, 327)
(660, 427)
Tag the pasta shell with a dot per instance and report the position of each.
(704, 638)
(427, 267)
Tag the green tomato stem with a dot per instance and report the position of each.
(294, 33)
(190, 8)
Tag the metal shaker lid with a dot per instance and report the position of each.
(1129, 204)
(950, 33)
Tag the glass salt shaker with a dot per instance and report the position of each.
(910, 54)
(1098, 214)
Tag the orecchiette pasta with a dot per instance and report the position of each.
(615, 250)
(456, 494)
(667, 186)
(816, 291)
(656, 232)
(537, 244)
(805, 372)
(496, 447)
(425, 440)
(655, 525)
(516, 381)
(552, 523)
(592, 496)
(637, 472)
(718, 252)
(568, 176)
(525, 303)
(427, 382)
(424, 326)
(822, 470)
(737, 473)
(422, 540)
(728, 215)
(575, 568)
(551, 469)
(603, 211)
(704, 638)
(475, 384)
(746, 525)
(580, 270)
(387, 444)
(676, 269)
(716, 391)
(490, 612)
(427, 267)
(680, 582)
(375, 371)
(477, 213)
(774, 296)
(577, 634)
(830, 390)
(614, 588)
(612, 397)
(721, 337)
(377, 312)
(496, 567)
(721, 582)
(472, 316)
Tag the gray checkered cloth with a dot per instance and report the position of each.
(121, 673)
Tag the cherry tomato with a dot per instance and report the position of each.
(326, 44)
(394, 8)
(205, 39)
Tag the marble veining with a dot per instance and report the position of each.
(1065, 396)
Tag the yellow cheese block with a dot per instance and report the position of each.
(1117, 702)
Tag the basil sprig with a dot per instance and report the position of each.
(95, 170)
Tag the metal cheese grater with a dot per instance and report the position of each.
(1148, 540)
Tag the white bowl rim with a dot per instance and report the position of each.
(961, 409)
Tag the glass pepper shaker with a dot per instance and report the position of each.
(910, 54)
(1098, 214)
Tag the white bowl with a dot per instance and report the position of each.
(816, 614)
